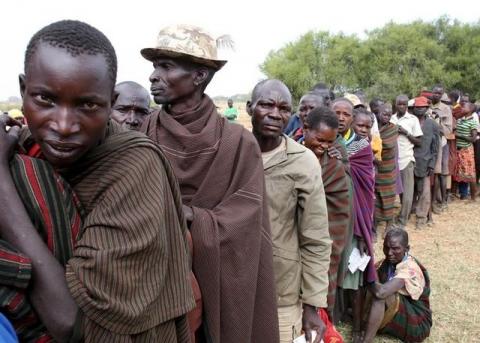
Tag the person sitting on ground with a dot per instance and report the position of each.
(298, 214)
(127, 275)
(400, 304)
(321, 129)
(231, 113)
(466, 135)
(132, 105)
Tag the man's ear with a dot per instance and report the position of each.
(114, 98)
(21, 82)
(201, 75)
(248, 107)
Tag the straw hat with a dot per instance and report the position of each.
(189, 42)
(353, 99)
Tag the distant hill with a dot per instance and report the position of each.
(235, 98)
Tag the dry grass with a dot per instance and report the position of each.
(450, 251)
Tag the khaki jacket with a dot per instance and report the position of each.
(299, 224)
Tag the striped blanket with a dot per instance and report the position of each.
(336, 185)
(385, 181)
(57, 214)
(132, 232)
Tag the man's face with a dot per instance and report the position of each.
(271, 111)
(230, 103)
(376, 107)
(437, 93)
(420, 111)
(401, 106)
(325, 94)
(394, 250)
(307, 104)
(172, 81)
(67, 102)
(362, 124)
(385, 114)
(320, 139)
(132, 106)
(464, 99)
(344, 112)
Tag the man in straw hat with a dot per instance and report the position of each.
(220, 172)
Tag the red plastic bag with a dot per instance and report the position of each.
(331, 334)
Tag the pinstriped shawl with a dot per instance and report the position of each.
(336, 185)
(130, 269)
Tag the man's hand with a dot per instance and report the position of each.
(362, 246)
(311, 322)
(334, 153)
(188, 213)
(402, 131)
(8, 139)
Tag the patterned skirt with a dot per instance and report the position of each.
(465, 167)
(407, 319)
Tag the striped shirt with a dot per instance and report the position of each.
(465, 126)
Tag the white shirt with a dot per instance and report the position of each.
(405, 148)
(477, 120)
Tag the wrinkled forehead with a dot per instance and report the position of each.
(393, 242)
(344, 105)
(130, 95)
(274, 92)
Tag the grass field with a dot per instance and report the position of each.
(450, 250)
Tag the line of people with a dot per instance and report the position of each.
(192, 228)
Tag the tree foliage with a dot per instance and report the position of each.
(395, 59)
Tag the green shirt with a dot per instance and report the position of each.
(464, 128)
(231, 113)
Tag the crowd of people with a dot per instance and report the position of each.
(127, 223)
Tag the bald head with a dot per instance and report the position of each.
(270, 85)
(401, 98)
(129, 88)
(132, 105)
(270, 109)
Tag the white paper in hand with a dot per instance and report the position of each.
(357, 262)
(301, 339)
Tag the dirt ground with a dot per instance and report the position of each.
(450, 251)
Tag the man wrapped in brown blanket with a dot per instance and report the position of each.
(220, 171)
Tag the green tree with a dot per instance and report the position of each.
(314, 57)
(394, 59)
